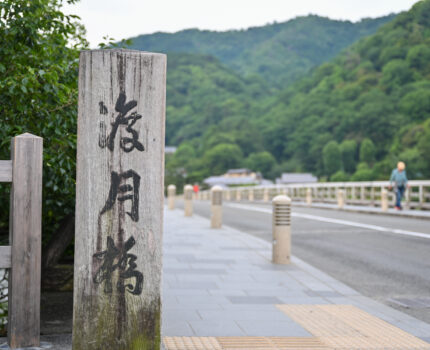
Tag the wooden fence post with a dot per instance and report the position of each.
(25, 240)
(119, 200)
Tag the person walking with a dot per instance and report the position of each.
(400, 181)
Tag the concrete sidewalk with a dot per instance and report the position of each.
(221, 291)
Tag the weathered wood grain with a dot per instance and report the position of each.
(25, 237)
(5, 257)
(115, 242)
(5, 170)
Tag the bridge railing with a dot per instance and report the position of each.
(365, 193)
(23, 255)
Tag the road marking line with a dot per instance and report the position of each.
(335, 221)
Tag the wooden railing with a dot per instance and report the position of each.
(417, 196)
(22, 257)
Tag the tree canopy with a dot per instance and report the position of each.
(279, 53)
(39, 52)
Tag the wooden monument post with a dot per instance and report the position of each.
(119, 200)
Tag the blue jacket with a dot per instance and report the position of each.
(399, 178)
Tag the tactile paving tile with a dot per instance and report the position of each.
(271, 343)
(191, 343)
(345, 327)
(242, 343)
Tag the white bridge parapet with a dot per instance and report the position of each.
(364, 193)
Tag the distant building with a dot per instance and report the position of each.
(241, 173)
(236, 177)
(296, 178)
(170, 149)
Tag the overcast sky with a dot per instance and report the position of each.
(122, 19)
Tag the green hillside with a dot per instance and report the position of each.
(280, 52)
(378, 91)
(202, 92)
(351, 118)
(209, 107)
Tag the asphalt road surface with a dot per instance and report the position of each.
(383, 257)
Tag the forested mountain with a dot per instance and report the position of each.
(350, 118)
(376, 95)
(280, 52)
(201, 92)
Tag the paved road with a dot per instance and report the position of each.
(379, 256)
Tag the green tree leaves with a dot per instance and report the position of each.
(419, 57)
(223, 157)
(332, 158)
(367, 152)
(261, 161)
(416, 105)
(348, 149)
(39, 51)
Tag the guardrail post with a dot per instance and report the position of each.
(227, 195)
(384, 200)
(25, 239)
(188, 200)
(281, 230)
(340, 199)
(353, 193)
(216, 207)
(251, 194)
(308, 196)
(408, 198)
(171, 194)
(420, 196)
(238, 195)
(266, 195)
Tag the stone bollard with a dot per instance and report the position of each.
(384, 200)
(309, 197)
(281, 230)
(266, 195)
(188, 200)
(238, 195)
(340, 199)
(251, 194)
(171, 194)
(216, 207)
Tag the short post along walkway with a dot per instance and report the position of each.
(221, 291)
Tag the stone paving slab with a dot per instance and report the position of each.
(245, 287)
